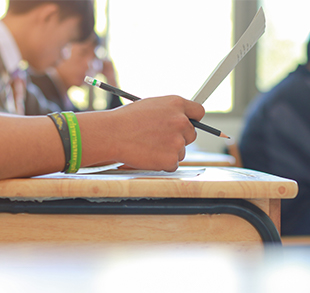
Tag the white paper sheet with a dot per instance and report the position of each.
(90, 170)
(181, 172)
(242, 47)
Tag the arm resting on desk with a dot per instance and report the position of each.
(149, 134)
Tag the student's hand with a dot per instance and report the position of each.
(148, 134)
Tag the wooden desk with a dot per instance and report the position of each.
(207, 159)
(204, 204)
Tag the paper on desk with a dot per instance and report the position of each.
(105, 173)
(241, 48)
(90, 170)
(181, 172)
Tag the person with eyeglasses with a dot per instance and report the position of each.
(83, 59)
(38, 33)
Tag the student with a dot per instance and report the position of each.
(56, 82)
(276, 140)
(147, 134)
(38, 32)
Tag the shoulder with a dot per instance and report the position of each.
(43, 81)
(292, 91)
(36, 102)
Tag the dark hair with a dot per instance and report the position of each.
(67, 8)
(94, 39)
(97, 39)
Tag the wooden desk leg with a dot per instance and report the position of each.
(173, 206)
(275, 212)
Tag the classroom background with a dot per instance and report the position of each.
(171, 47)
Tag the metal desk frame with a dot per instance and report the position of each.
(169, 206)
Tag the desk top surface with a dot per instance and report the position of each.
(186, 182)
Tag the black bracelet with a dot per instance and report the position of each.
(63, 130)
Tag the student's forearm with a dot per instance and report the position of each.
(148, 134)
(32, 145)
(29, 146)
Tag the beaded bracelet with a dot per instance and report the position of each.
(63, 131)
(76, 142)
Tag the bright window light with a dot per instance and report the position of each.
(283, 46)
(3, 7)
(165, 47)
(77, 96)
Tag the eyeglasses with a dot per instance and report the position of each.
(66, 51)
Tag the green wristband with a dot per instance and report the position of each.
(76, 142)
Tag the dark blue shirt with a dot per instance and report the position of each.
(276, 140)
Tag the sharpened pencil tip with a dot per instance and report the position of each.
(89, 80)
(224, 135)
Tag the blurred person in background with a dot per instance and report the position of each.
(56, 81)
(276, 140)
(37, 32)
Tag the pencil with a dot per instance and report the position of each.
(92, 81)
